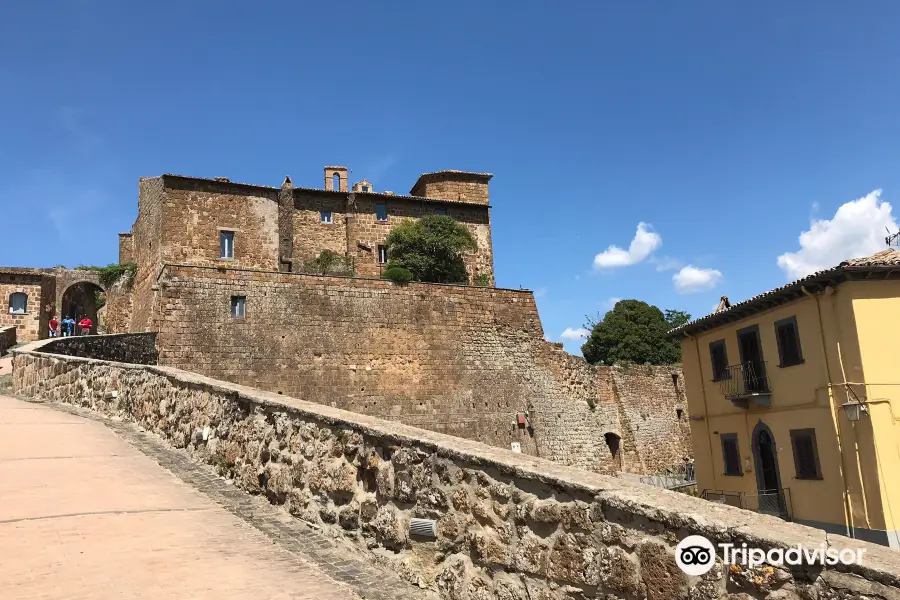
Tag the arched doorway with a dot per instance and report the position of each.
(82, 299)
(768, 478)
(614, 443)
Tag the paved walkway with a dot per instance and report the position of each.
(83, 514)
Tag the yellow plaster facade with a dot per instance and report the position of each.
(848, 327)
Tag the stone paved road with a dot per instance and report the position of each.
(83, 514)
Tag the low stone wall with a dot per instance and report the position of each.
(7, 338)
(135, 348)
(508, 526)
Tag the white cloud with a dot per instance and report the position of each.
(693, 279)
(574, 334)
(857, 229)
(642, 246)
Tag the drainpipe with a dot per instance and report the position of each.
(848, 508)
(703, 395)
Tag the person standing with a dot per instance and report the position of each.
(54, 324)
(85, 323)
(68, 326)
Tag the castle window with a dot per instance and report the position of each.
(731, 454)
(238, 307)
(381, 212)
(440, 211)
(365, 188)
(226, 244)
(336, 182)
(18, 303)
(382, 255)
(325, 216)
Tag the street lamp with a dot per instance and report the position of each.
(853, 410)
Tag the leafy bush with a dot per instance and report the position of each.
(397, 275)
(482, 280)
(329, 263)
(431, 249)
(111, 274)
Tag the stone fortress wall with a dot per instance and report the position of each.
(458, 360)
(498, 525)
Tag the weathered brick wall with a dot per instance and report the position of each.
(195, 212)
(7, 338)
(134, 348)
(148, 246)
(126, 248)
(28, 283)
(506, 526)
(453, 359)
(115, 316)
(453, 186)
(311, 236)
(371, 233)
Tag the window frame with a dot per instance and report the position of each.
(382, 247)
(24, 310)
(809, 432)
(330, 218)
(223, 235)
(731, 438)
(792, 321)
(238, 301)
(441, 211)
(725, 374)
(386, 213)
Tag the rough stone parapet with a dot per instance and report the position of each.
(134, 348)
(508, 526)
(7, 338)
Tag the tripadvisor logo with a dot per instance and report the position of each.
(696, 555)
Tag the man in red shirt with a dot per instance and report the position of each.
(85, 323)
(53, 326)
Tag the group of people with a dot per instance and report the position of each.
(68, 326)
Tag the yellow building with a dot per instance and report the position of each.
(794, 398)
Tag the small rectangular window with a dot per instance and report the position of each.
(806, 454)
(325, 216)
(788, 336)
(731, 454)
(381, 212)
(238, 307)
(382, 255)
(719, 359)
(365, 188)
(226, 244)
(18, 303)
(440, 211)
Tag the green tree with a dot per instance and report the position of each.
(634, 332)
(431, 248)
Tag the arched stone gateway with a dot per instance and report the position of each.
(82, 299)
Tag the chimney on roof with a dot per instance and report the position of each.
(336, 179)
(223, 179)
(363, 186)
(723, 304)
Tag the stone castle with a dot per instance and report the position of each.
(220, 277)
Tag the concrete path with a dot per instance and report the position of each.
(85, 515)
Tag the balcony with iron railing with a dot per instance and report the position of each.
(745, 383)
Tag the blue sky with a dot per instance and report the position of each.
(726, 128)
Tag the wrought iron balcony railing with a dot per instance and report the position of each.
(746, 380)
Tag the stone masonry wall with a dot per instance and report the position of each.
(196, 213)
(29, 323)
(134, 348)
(507, 526)
(7, 338)
(148, 243)
(311, 236)
(453, 359)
